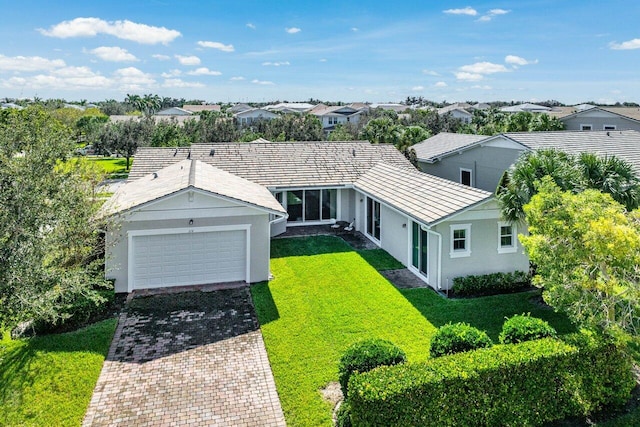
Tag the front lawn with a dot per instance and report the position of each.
(325, 296)
(112, 166)
(48, 380)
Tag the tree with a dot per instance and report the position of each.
(574, 173)
(49, 242)
(125, 137)
(587, 250)
(341, 133)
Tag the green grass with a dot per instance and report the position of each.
(325, 296)
(49, 380)
(111, 165)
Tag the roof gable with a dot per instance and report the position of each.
(188, 174)
(427, 198)
(444, 143)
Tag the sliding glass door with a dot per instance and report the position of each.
(311, 205)
(373, 218)
(420, 249)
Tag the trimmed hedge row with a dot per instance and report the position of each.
(456, 338)
(523, 327)
(490, 284)
(524, 384)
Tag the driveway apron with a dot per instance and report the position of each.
(187, 359)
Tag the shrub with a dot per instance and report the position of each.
(529, 383)
(343, 416)
(456, 338)
(522, 327)
(366, 355)
(490, 284)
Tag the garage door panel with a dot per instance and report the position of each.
(189, 258)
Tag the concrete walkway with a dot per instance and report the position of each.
(187, 359)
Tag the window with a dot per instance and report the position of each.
(586, 127)
(310, 205)
(465, 176)
(373, 218)
(420, 252)
(460, 240)
(507, 241)
(609, 127)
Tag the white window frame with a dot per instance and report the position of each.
(459, 253)
(470, 176)
(586, 125)
(609, 127)
(514, 238)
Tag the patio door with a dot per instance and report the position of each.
(373, 218)
(420, 249)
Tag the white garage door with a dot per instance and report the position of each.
(164, 260)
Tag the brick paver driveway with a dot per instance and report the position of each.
(194, 358)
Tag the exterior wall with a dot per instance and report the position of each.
(597, 119)
(117, 244)
(348, 204)
(487, 163)
(484, 257)
(394, 237)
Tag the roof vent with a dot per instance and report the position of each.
(175, 152)
(189, 155)
(155, 175)
(212, 152)
(353, 152)
(608, 134)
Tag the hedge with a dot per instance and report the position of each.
(490, 284)
(523, 327)
(525, 384)
(456, 338)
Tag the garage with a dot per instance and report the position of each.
(188, 224)
(201, 256)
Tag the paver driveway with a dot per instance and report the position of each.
(194, 358)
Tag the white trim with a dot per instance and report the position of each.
(584, 125)
(470, 176)
(467, 238)
(163, 231)
(514, 238)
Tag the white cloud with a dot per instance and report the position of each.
(204, 71)
(161, 57)
(250, 25)
(417, 88)
(517, 60)
(113, 54)
(29, 63)
(484, 68)
(440, 84)
(323, 59)
(217, 45)
(292, 30)
(470, 77)
(276, 64)
(126, 30)
(181, 84)
(131, 78)
(65, 78)
(628, 45)
(493, 12)
(355, 29)
(188, 60)
(465, 11)
(236, 78)
(171, 73)
(483, 87)
(261, 82)
(430, 73)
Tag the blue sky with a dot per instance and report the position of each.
(378, 51)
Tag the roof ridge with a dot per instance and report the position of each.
(192, 173)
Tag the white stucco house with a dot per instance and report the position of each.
(246, 117)
(205, 214)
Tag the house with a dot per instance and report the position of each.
(203, 107)
(531, 108)
(457, 112)
(589, 117)
(174, 111)
(248, 116)
(331, 116)
(480, 161)
(290, 107)
(240, 107)
(398, 108)
(183, 207)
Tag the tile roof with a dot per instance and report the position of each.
(444, 143)
(189, 174)
(622, 144)
(424, 197)
(279, 164)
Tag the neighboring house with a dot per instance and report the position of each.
(600, 118)
(203, 107)
(174, 111)
(398, 108)
(6, 105)
(238, 108)
(205, 214)
(331, 116)
(248, 116)
(531, 108)
(457, 112)
(290, 107)
(480, 161)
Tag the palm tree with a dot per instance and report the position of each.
(610, 175)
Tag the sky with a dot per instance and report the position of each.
(375, 51)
